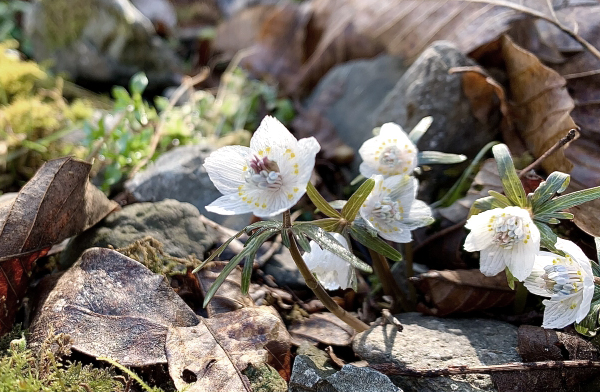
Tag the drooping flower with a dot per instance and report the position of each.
(393, 210)
(389, 153)
(267, 178)
(568, 281)
(505, 237)
(332, 271)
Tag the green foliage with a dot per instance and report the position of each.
(9, 28)
(23, 370)
(351, 208)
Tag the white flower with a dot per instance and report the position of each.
(332, 271)
(265, 179)
(568, 281)
(505, 237)
(392, 210)
(391, 152)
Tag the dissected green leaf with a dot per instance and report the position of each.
(320, 202)
(484, 204)
(327, 224)
(419, 130)
(510, 180)
(502, 200)
(361, 235)
(570, 200)
(556, 182)
(301, 240)
(328, 242)
(553, 217)
(437, 158)
(547, 237)
(248, 253)
(357, 199)
(246, 275)
(285, 238)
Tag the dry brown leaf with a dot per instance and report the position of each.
(111, 306)
(212, 355)
(229, 296)
(57, 203)
(323, 328)
(462, 291)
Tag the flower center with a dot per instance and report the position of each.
(562, 279)
(390, 157)
(388, 210)
(508, 230)
(264, 174)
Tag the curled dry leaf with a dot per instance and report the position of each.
(212, 355)
(57, 203)
(461, 291)
(111, 306)
(229, 296)
(539, 344)
(323, 328)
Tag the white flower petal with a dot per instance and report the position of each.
(229, 205)
(492, 260)
(559, 314)
(521, 258)
(332, 271)
(419, 215)
(272, 133)
(534, 282)
(225, 167)
(391, 140)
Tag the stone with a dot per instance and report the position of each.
(349, 94)
(428, 89)
(179, 174)
(432, 343)
(308, 376)
(283, 269)
(230, 7)
(100, 42)
(176, 225)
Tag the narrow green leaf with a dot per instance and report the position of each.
(358, 179)
(510, 279)
(438, 158)
(249, 251)
(246, 275)
(328, 242)
(556, 182)
(419, 130)
(327, 224)
(547, 237)
(270, 224)
(285, 238)
(502, 200)
(463, 183)
(301, 240)
(219, 250)
(571, 200)
(357, 199)
(375, 243)
(553, 217)
(484, 204)
(510, 180)
(320, 202)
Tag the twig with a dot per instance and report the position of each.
(392, 369)
(529, 11)
(314, 285)
(187, 83)
(570, 136)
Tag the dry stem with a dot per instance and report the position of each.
(570, 136)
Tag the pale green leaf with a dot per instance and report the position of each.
(510, 180)
(320, 202)
(374, 243)
(246, 275)
(556, 182)
(502, 200)
(419, 130)
(301, 240)
(439, 158)
(547, 237)
(327, 242)
(484, 204)
(327, 224)
(570, 200)
(510, 279)
(357, 199)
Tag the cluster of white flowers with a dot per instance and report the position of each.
(271, 175)
(508, 238)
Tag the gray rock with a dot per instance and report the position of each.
(100, 41)
(427, 89)
(350, 93)
(284, 271)
(176, 225)
(309, 377)
(179, 174)
(431, 343)
(231, 7)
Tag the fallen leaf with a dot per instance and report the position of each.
(462, 291)
(212, 355)
(539, 344)
(57, 203)
(229, 296)
(111, 306)
(323, 328)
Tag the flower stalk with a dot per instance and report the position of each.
(314, 285)
(388, 283)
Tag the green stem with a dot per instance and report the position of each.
(388, 283)
(314, 285)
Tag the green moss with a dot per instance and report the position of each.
(17, 77)
(265, 379)
(65, 20)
